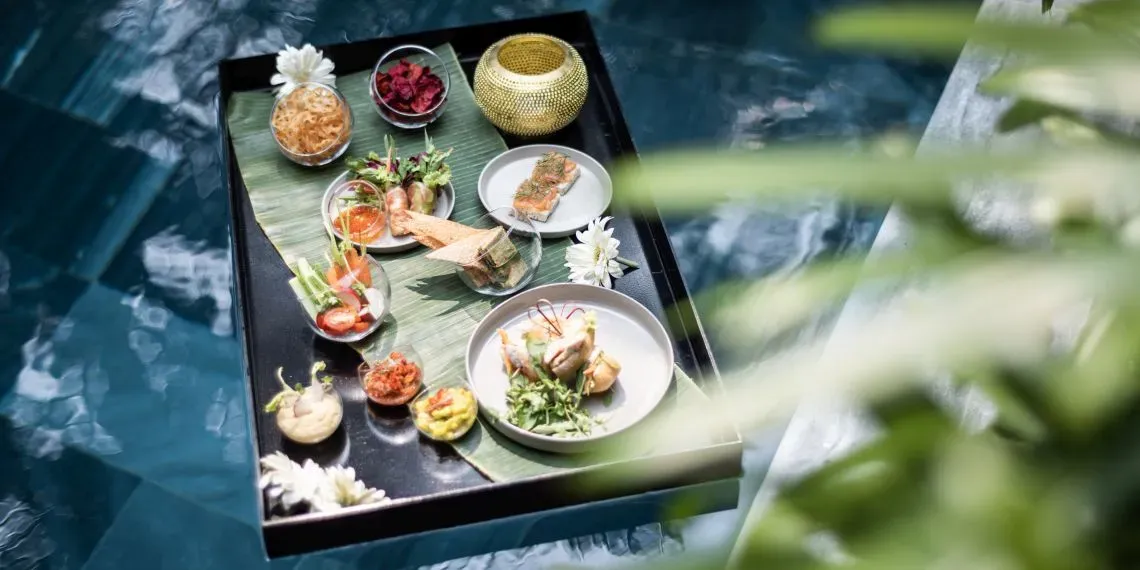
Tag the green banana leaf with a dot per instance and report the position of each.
(431, 309)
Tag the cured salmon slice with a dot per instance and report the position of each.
(536, 201)
(556, 169)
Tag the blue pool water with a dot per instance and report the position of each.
(123, 417)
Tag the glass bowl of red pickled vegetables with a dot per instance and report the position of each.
(394, 379)
(409, 86)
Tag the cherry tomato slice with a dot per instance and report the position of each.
(338, 320)
(360, 326)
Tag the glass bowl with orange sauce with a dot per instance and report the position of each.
(357, 212)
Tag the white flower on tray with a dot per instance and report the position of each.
(594, 260)
(299, 483)
(296, 66)
(342, 488)
(322, 490)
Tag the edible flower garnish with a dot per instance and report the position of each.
(594, 260)
(296, 66)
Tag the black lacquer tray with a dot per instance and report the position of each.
(446, 491)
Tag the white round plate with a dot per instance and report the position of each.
(626, 330)
(587, 199)
(387, 243)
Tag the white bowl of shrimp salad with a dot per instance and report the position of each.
(563, 341)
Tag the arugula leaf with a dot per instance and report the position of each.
(547, 406)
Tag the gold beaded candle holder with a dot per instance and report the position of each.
(531, 84)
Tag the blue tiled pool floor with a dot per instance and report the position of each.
(123, 419)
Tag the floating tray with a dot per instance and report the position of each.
(447, 492)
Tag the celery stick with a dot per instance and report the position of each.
(322, 295)
(303, 298)
(318, 293)
(303, 282)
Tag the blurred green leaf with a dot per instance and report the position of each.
(757, 311)
(912, 408)
(929, 29)
(875, 483)
(985, 308)
(1107, 86)
(1120, 17)
(1108, 466)
(1022, 113)
(1071, 131)
(1017, 415)
(1061, 489)
(778, 540)
(688, 504)
(940, 233)
(942, 30)
(1100, 382)
(667, 180)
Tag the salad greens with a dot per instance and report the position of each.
(428, 167)
(547, 406)
(383, 172)
(432, 169)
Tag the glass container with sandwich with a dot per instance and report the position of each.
(490, 259)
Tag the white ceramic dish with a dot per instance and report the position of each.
(587, 199)
(626, 330)
(387, 243)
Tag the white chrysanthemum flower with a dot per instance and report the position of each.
(296, 66)
(342, 488)
(593, 261)
(323, 490)
(298, 484)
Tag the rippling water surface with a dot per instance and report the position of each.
(123, 417)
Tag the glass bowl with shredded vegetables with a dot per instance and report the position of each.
(312, 124)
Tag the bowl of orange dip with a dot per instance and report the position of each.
(357, 212)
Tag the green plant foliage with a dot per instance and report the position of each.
(1046, 329)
